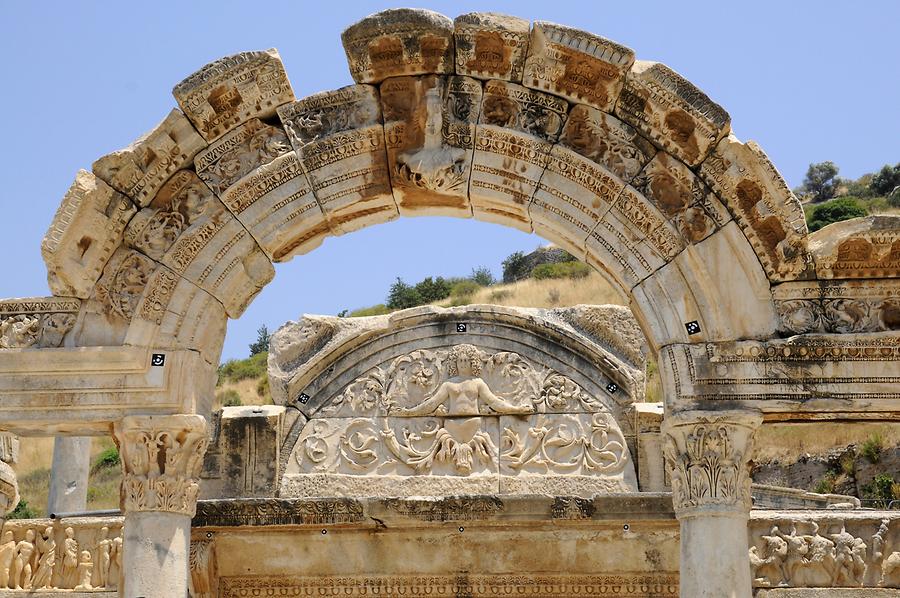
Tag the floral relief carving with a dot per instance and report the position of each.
(464, 412)
(161, 458)
(707, 454)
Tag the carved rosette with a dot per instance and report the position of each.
(707, 454)
(161, 458)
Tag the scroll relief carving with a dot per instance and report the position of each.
(161, 458)
(707, 456)
(826, 554)
(464, 412)
(40, 322)
(841, 308)
(45, 555)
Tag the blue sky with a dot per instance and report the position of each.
(810, 81)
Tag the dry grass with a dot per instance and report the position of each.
(557, 292)
(787, 442)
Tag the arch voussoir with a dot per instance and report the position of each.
(491, 46)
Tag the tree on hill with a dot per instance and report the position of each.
(262, 341)
(886, 180)
(821, 180)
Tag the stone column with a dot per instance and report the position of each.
(161, 458)
(9, 486)
(69, 474)
(707, 453)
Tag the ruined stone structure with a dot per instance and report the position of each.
(542, 127)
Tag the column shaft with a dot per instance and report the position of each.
(69, 474)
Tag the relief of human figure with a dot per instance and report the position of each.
(465, 391)
(46, 560)
(85, 569)
(849, 558)
(21, 569)
(70, 560)
(797, 549)
(7, 554)
(768, 568)
(115, 568)
(820, 560)
(102, 561)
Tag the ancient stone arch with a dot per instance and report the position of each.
(543, 127)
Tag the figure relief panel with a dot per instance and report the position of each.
(460, 420)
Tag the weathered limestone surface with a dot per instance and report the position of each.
(140, 169)
(430, 545)
(85, 231)
(399, 42)
(840, 307)
(490, 45)
(232, 90)
(186, 228)
(452, 412)
(244, 458)
(576, 65)
(671, 112)
(429, 128)
(516, 129)
(339, 136)
(860, 248)
(767, 210)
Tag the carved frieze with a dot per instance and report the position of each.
(399, 42)
(69, 554)
(801, 374)
(140, 169)
(827, 551)
(429, 127)
(671, 112)
(606, 140)
(161, 461)
(637, 585)
(516, 129)
(490, 45)
(190, 231)
(39, 322)
(232, 90)
(841, 308)
(576, 65)
(339, 137)
(240, 152)
(682, 196)
(86, 230)
(859, 248)
(440, 413)
(770, 215)
(707, 454)
(276, 511)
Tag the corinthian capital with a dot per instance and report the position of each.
(707, 453)
(161, 458)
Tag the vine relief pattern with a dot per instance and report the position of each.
(458, 414)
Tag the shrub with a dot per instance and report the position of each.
(465, 288)
(893, 199)
(262, 387)
(402, 296)
(561, 270)
(433, 289)
(825, 485)
(229, 398)
(375, 310)
(836, 210)
(848, 463)
(872, 447)
(23, 511)
(881, 490)
(236, 370)
(482, 276)
(105, 460)
(499, 295)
